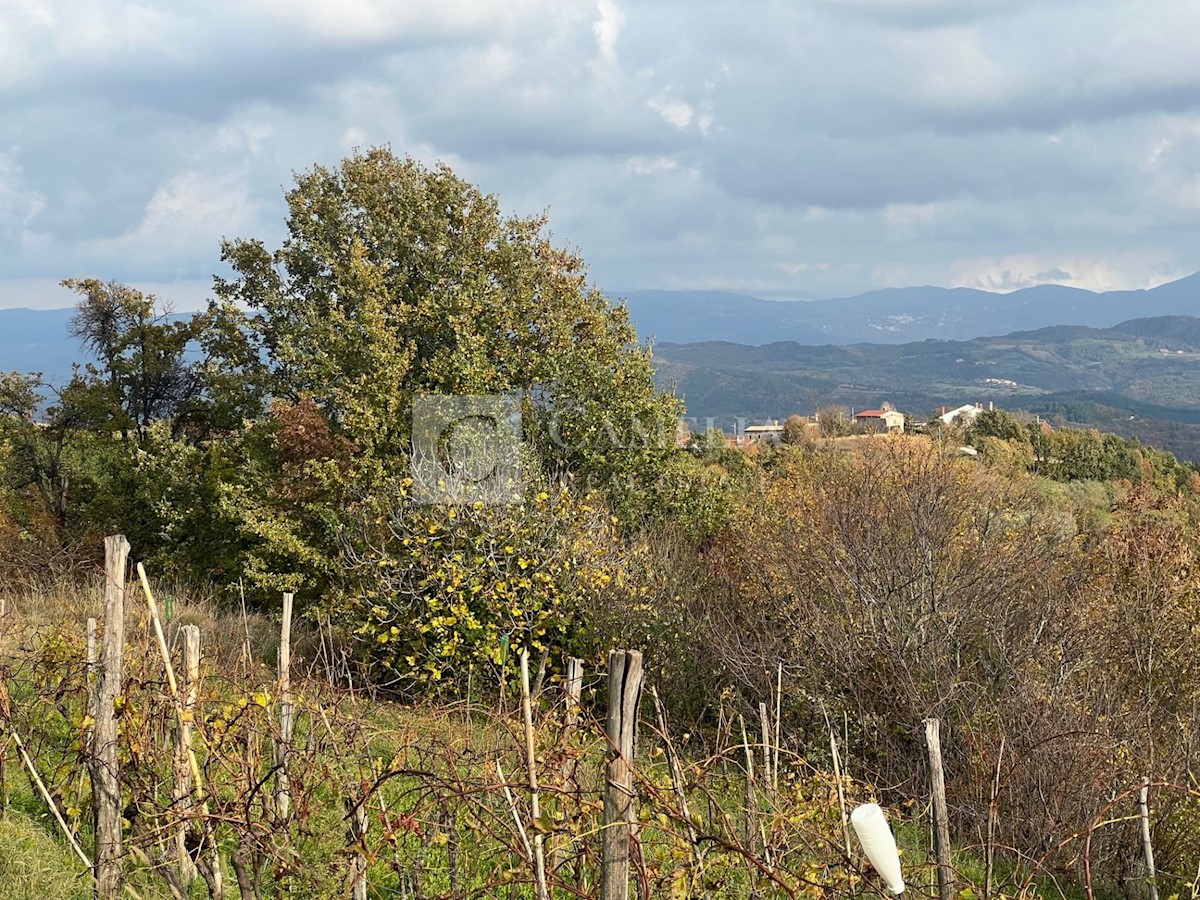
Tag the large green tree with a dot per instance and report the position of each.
(127, 444)
(397, 280)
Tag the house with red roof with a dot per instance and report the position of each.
(886, 419)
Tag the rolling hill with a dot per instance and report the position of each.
(1139, 378)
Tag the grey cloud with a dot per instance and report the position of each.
(800, 149)
(922, 14)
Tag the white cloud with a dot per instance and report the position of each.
(19, 203)
(186, 295)
(370, 21)
(1093, 272)
(650, 165)
(988, 142)
(906, 221)
(675, 112)
(250, 133)
(192, 209)
(608, 29)
(793, 269)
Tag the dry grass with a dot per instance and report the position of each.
(235, 641)
(34, 866)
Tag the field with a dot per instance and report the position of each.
(443, 796)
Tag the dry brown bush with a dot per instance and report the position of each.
(902, 582)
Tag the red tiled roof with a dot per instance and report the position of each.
(869, 414)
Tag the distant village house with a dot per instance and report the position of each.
(962, 415)
(765, 434)
(886, 419)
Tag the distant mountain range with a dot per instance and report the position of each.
(1080, 357)
(1139, 378)
(36, 340)
(896, 315)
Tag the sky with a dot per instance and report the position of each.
(792, 150)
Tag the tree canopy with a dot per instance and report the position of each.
(397, 280)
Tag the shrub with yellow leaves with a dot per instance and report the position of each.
(442, 590)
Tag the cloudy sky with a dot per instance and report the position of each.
(791, 149)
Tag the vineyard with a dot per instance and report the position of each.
(229, 778)
(206, 771)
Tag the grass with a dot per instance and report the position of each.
(36, 866)
(438, 819)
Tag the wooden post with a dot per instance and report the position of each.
(765, 718)
(778, 716)
(91, 675)
(535, 809)
(287, 714)
(572, 693)
(106, 773)
(624, 693)
(356, 813)
(190, 690)
(573, 690)
(209, 864)
(941, 817)
(751, 792)
(1147, 847)
(841, 792)
(989, 855)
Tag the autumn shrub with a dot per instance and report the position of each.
(903, 581)
(34, 548)
(446, 592)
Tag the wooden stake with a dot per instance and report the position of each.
(989, 856)
(516, 813)
(1147, 847)
(778, 708)
(41, 786)
(212, 869)
(535, 808)
(105, 762)
(573, 690)
(841, 793)
(356, 813)
(941, 816)
(751, 793)
(183, 748)
(287, 715)
(624, 694)
(765, 720)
